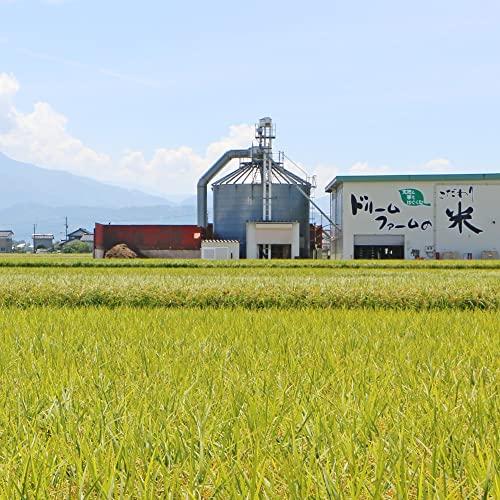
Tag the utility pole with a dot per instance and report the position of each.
(66, 227)
(34, 232)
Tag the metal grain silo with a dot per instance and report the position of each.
(237, 202)
(261, 192)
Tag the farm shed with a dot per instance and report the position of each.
(6, 244)
(220, 249)
(283, 238)
(43, 241)
(415, 216)
(162, 241)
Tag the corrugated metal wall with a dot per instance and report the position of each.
(235, 204)
(148, 237)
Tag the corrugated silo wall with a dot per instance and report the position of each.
(235, 204)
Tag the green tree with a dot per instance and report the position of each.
(76, 246)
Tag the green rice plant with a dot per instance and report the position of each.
(190, 403)
(68, 260)
(252, 288)
(282, 379)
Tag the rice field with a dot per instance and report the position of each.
(148, 379)
(252, 287)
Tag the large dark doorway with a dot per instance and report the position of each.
(277, 251)
(379, 251)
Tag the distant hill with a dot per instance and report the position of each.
(35, 195)
(25, 183)
(20, 218)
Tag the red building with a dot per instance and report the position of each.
(150, 240)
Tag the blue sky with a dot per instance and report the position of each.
(148, 93)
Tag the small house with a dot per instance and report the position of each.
(77, 234)
(88, 238)
(6, 241)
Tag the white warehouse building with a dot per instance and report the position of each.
(415, 216)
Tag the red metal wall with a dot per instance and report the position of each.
(316, 236)
(148, 237)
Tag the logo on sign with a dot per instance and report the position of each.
(413, 197)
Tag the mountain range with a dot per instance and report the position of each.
(34, 195)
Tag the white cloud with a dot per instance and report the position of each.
(41, 137)
(178, 169)
(326, 172)
(50, 2)
(363, 168)
(134, 79)
(438, 165)
(145, 82)
(9, 86)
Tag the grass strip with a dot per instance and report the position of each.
(70, 261)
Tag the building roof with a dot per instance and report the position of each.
(87, 238)
(277, 221)
(219, 241)
(42, 236)
(410, 178)
(6, 233)
(79, 230)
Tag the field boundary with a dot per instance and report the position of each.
(61, 262)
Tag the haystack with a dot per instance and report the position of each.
(120, 251)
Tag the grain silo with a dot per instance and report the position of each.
(261, 204)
